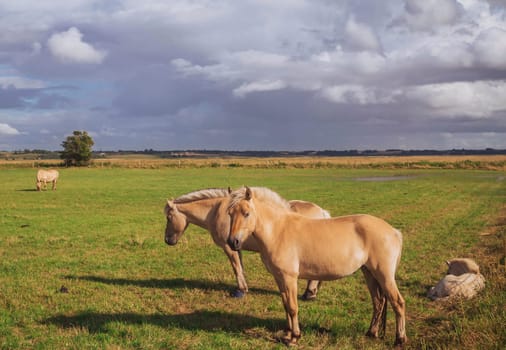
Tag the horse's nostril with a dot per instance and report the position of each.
(233, 243)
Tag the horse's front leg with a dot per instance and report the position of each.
(288, 288)
(236, 262)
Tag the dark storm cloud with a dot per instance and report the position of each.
(254, 75)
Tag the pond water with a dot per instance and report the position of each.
(384, 178)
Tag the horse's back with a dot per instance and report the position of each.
(47, 175)
(375, 232)
(308, 209)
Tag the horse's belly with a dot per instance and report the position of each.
(325, 275)
(330, 269)
(46, 179)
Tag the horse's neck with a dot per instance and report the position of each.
(197, 212)
(269, 221)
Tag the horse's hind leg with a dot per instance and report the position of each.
(311, 290)
(399, 305)
(379, 305)
(236, 262)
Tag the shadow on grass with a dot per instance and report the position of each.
(417, 288)
(271, 329)
(27, 190)
(203, 320)
(169, 283)
(213, 321)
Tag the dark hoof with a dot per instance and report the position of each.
(308, 296)
(400, 342)
(237, 293)
(371, 334)
(290, 340)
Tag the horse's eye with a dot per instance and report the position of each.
(246, 215)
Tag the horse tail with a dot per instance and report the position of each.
(325, 214)
(399, 236)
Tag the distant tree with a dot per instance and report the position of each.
(77, 149)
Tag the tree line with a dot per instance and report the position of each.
(77, 151)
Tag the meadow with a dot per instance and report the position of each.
(86, 267)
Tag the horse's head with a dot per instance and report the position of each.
(242, 217)
(176, 223)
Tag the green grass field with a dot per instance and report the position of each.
(85, 267)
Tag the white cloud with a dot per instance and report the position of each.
(237, 66)
(69, 47)
(490, 48)
(361, 36)
(429, 14)
(181, 64)
(354, 65)
(258, 86)
(214, 72)
(356, 94)
(264, 71)
(258, 58)
(448, 52)
(6, 129)
(474, 99)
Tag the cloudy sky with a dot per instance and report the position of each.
(253, 74)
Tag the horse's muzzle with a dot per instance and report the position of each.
(234, 243)
(170, 241)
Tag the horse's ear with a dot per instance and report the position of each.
(448, 263)
(248, 194)
(170, 204)
(229, 190)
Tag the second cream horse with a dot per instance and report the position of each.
(208, 209)
(45, 176)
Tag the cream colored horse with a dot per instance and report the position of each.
(208, 209)
(45, 176)
(293, 246)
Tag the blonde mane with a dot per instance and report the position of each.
(263, 194)
(202, 194)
